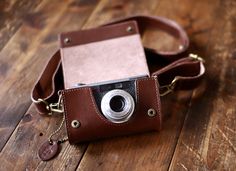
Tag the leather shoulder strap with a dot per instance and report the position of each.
(160, 23)
(179, 71)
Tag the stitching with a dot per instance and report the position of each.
(158, 102)
(99, 114)
(137, 91)
(66, 115)
(137, 87)
(149, 78)
(138, 83)
(94, 106)
(76, 89)
(65, 108)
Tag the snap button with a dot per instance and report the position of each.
(67, 40)
(151, 112)
(75, 124)
(129, 29)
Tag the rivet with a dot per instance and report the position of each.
(67, 40)
(151, 112)
(181, 47)
(129, 29)
(75, 124)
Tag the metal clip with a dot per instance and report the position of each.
(196, 57)
(166, 89)
(52, 107)
(55, 107)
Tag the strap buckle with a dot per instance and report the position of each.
(55, 107)
(52, 107)
(166, 89)
(196, 57)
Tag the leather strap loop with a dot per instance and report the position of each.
(48, 84)
(178, 72)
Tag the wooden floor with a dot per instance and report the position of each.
(199, 131)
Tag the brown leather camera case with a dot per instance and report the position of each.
(180, 72)
(79, 104)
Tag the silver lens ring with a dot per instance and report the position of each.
(113, 116)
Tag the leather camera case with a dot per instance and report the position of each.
(180, 72)
(105, 54)
(79, 104)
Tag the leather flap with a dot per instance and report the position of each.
(75, 38)
(102, 54)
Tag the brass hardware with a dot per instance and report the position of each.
(56, 107)
(75, 124)
(67, 40)
(196, 57)
(56, 131)
(41, 100)
(45, 103)
(129, 29)
(52, 107)
(151, 112)
(166, 89)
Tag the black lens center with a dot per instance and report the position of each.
(117, 103)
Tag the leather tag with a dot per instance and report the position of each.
(48, 150)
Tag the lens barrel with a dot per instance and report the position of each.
(117, 106)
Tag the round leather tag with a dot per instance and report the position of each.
(48, 150)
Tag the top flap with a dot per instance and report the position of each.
(102, 54)
(98, 34)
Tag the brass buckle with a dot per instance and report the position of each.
(166, 89)
(52, 107)
(196, 57)
(55, 107)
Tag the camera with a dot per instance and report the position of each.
(116, 100)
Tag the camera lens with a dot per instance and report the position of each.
(117, 106)
(117, 103)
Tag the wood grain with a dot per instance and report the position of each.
(20, 153)
(208, 140)
(12, 14)
(108, 10)
(41, 28)
(199, 127)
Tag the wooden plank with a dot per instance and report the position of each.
(27, 131)
(20, 153)
(12, 13)
(108, 10)
(26, 63)
(114, 153)
(152, 150)
(208, 140)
